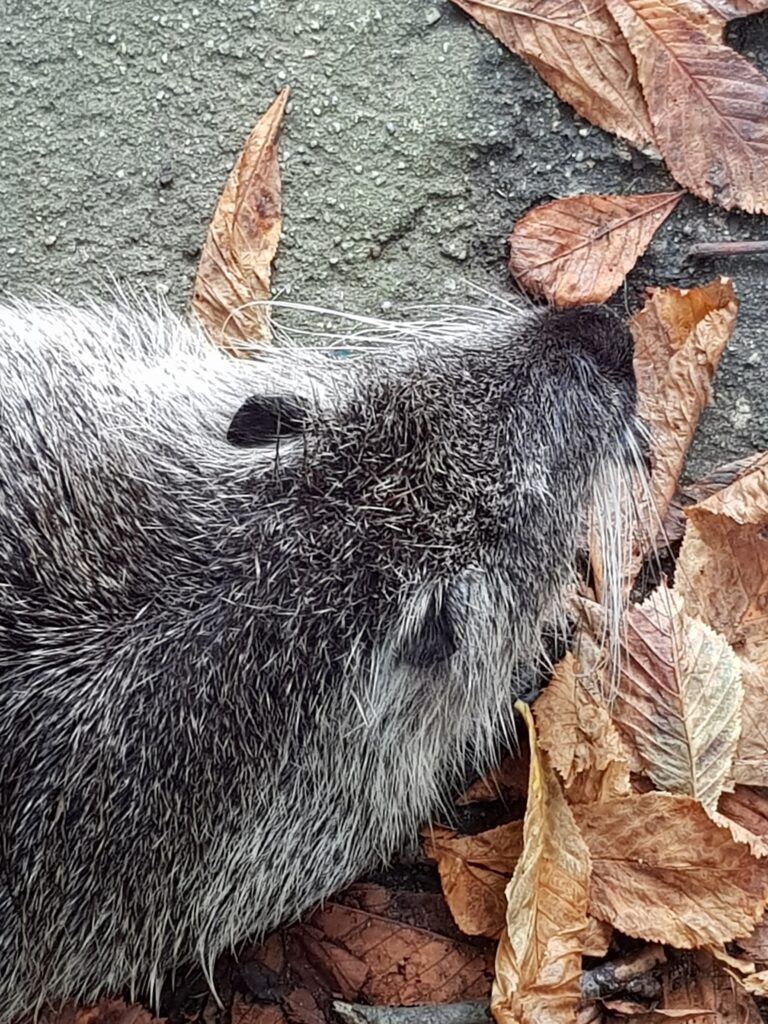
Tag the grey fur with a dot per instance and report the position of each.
(233, 679)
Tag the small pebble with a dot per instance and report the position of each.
(432, 16)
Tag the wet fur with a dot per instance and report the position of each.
(255, 616)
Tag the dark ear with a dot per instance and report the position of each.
(437, 634)
(262, 419)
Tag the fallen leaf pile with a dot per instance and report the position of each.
(658, 796)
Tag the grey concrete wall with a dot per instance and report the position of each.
(412, 143)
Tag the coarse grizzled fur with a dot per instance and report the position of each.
(256, 614)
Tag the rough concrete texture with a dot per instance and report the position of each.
(412, 143)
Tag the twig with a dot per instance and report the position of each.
(475, 1011)
(625, 975)
(703, 249)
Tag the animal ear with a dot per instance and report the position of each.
(262, 419)
(435, 635)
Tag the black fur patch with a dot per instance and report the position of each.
(262, 419)
(437, 636)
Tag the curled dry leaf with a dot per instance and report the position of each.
(679, 698)
(474, 872)
(538, 963)
(706, 102)
(679, 337)
(235, 267)
(580, 249)
(722, 577)
(663, 871)
(576, 731)
(578, 50)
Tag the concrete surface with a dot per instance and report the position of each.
(412, 143)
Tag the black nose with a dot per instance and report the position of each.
(595, 331)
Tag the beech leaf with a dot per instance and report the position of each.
(580, 249)
(234, 273)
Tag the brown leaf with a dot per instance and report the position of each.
(474, 872)
(580, 249)
(695, 979)
(406, 966)
(722, 577)
(722, 572)
(255, 1013)
(663, 871)
(713, 15)
(576, 731)
(679, 698)
(755, 945)
(597, 938)
(426, 910)
(706, 102)
(236, 262)
(748, 807)
(538, 963)
(742, 971)
(679, 337)
(106, 1011)
(701, 489)
(507, 782)
(578, 50)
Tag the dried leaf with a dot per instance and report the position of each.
(701, 489)
(748, 807)
(236, 262)
(256, 1013)
(695, 979)
(425, 910)
(578, 50)
(538, 963)
(406, 966)
(663, 871)
(722, 577)
(508, 782)
(576, 731)
(713, 15)
(580, 249)
(706, 103)
(751, 980)
(474, 872)
(597, 938)
(106, 1011)
(722, 572)
(755, 945)
(679, 698)
(679, 337)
